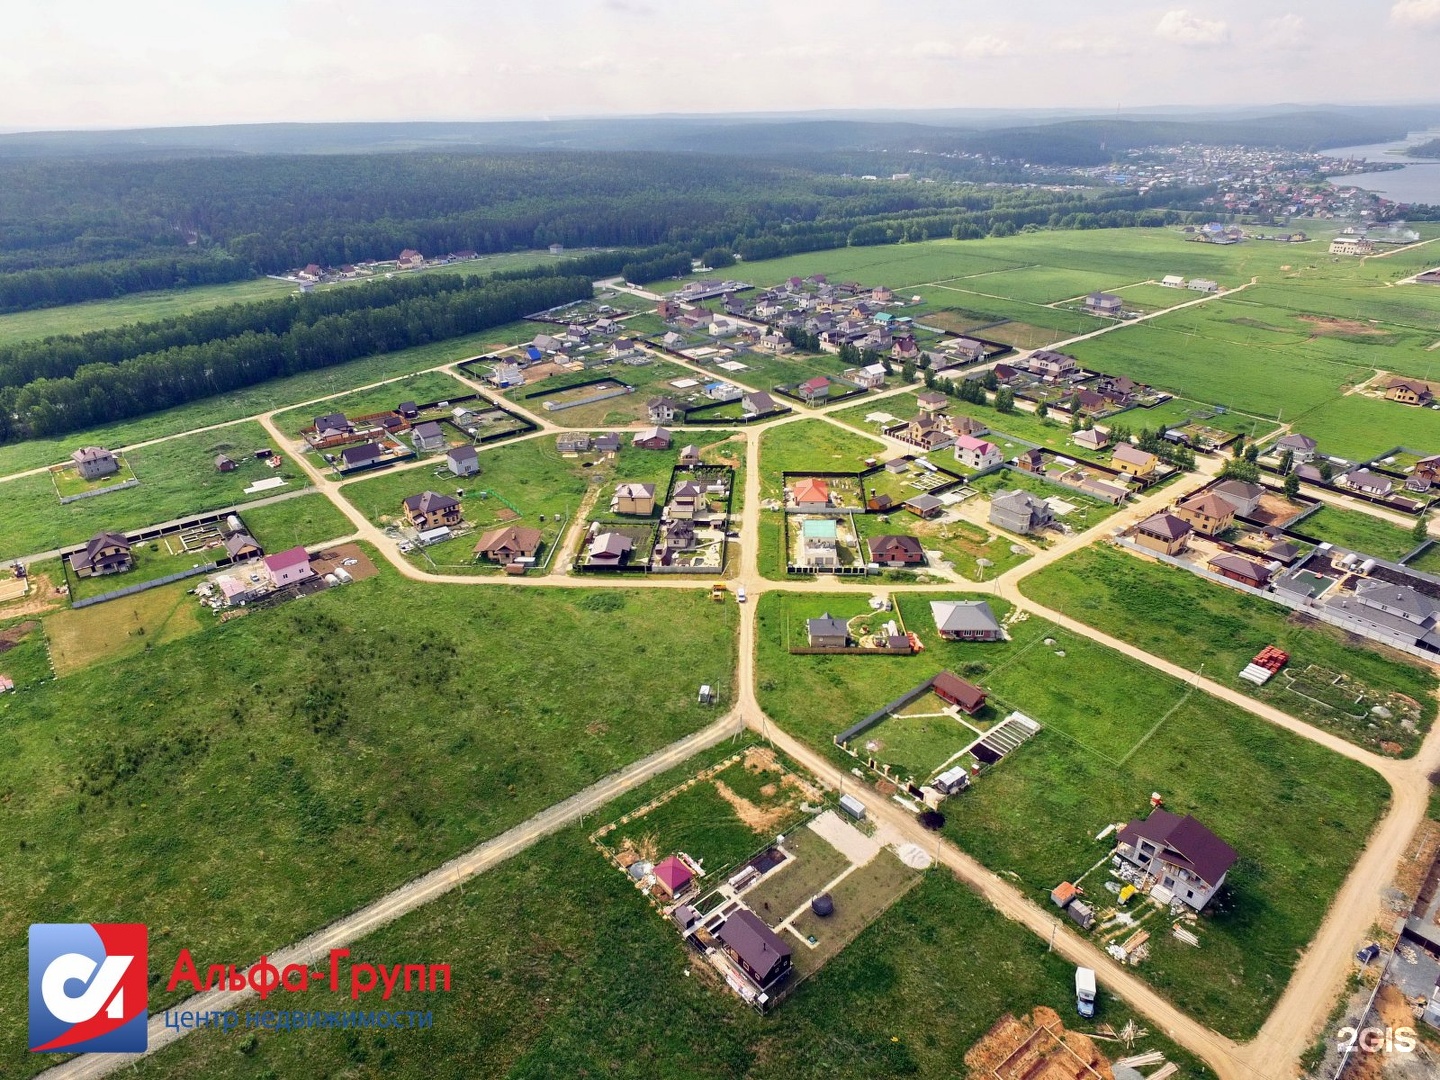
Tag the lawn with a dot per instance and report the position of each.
(24, 654)
(121, 629)
(1358, 531)
(816, 863)
(649, 380)
(134, 308)
(1114, 731)
(308, 787)
(1022, 428)
(526, 483)
(1088, 512)
(153, 559)
(177, 478)
(1188, 620)
(961, 543)
(765, 371)
(562, 969)
(1359, 428)
(306, 519)
(1428, 561)
(811, 444)
(423, 388)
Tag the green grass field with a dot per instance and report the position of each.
(1359, 428)
(24, 654)
(811, 444)
(308, 787)
(1115, 731)
(562, 969)
(137, 307)
(306, 519)
(648, 380)
(1359, 531)
(1188, 620)
(177, 477)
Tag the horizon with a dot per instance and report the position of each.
(97, 67)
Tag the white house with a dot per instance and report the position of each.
(977, 454)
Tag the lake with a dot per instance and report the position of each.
(1417, 182)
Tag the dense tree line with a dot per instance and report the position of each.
(73, 230)
(53, 286)
(101, 393)
(57, 357)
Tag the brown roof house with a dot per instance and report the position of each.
(241, 546)
(1409, 392)
(106, 553)
(1164, 533)
(609, 549)
(755, 947)
(634, 499)
(1242, 570)
(1206, 513)
(654, 438)
(1188, 861)
(431, 510)
(508, 543)
(93, 462)
(963, 695)
(1133, 461)
(895, 550)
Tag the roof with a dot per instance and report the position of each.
(757, 946)
(1209, 504)
(429, 502)
(331, 421)
(237, 542)
(462, 453)
(369, 451)
(1166, 526)
(1366, 478)
(288, 559)
(884, 545)
(509, 536)
(970, 442)
(1241, 489)
(428, 430)
(1017, 501)
(760, 401)
(1296, 441)
(612, 544)
(1400, 597)
(827, 626)
(652, 433)
(965, 694)
(809, 489)
(923, 502)
(690, 450)
(819, 382)
(960, 616)
(90, 453)
(1234, 564)
(635, 491)
(931, 397)
(1132, 455)
(1184, 841)
(673, 874)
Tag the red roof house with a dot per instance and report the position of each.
(673, 876)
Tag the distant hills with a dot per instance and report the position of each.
(1045, 138)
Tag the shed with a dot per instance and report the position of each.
(853, 806)
(1063, 894)
(1082, 913)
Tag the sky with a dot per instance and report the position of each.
(140, 63)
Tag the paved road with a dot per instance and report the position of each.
(417, 893)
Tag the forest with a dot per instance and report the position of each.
(214, 352)
(74, 230)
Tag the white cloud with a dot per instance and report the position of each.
(1422, 13)
(1184, 27)
(980, 47)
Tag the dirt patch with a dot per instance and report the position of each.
(769, 791)
(760, 821)
(42, 597)
(326, 561)
(16, 634)
(596, 728)
(808, 791)
(505, 514)
(1036, 1047)
(1276, 510)
(1328, 325)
